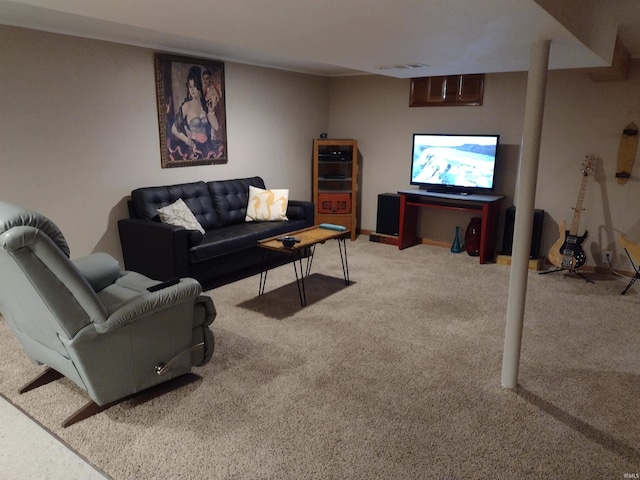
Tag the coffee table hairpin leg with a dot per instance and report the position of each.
(300, 276)
(300, 273)
(305, 272)
(312, 251)
(342, 244)
(263, 272)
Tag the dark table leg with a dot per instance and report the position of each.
(263, 272)
(342, 245)
(300, 278)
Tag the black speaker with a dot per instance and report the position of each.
(536, 234)
(388, 221)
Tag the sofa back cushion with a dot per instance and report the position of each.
(215, 204)
(230, 198)
(147, 200)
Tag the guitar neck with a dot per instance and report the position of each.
(578, 209)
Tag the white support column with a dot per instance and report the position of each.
(525, 201)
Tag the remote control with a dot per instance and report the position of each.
(160, 286)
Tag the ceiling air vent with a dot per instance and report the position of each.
(408, 66)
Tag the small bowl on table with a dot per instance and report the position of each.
(289, 241)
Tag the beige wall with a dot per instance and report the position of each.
(79, 130)
(581, 117)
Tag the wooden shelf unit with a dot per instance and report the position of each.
(335, 182)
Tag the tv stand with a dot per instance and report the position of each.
(488, 206)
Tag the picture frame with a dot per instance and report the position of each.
(192, 115)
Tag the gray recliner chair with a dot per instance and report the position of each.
(92, 322)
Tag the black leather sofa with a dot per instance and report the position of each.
(226, 251)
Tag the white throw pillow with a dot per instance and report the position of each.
(178, 214)
(267, 205)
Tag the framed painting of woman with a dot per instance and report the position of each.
(191, 111)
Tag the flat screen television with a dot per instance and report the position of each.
(454, 163)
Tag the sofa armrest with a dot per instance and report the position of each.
(301, 210)
(156, 250)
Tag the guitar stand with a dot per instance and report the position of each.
(570, 271)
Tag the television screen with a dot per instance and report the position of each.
(453, 163)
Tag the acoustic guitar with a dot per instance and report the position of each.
(567, 251)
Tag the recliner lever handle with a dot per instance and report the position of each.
(163, 368)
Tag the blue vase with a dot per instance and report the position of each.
(455, 246)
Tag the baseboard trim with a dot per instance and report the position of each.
(394, 240)
(534, 264)
(383, 238)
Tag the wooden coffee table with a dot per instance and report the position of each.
(309, 238)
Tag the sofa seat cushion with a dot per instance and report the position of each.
(231, 238)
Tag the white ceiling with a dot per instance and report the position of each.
(343, 37)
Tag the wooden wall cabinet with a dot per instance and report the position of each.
(335, 182)
(450, 90)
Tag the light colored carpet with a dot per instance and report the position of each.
(394, 376)
(30, 452)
